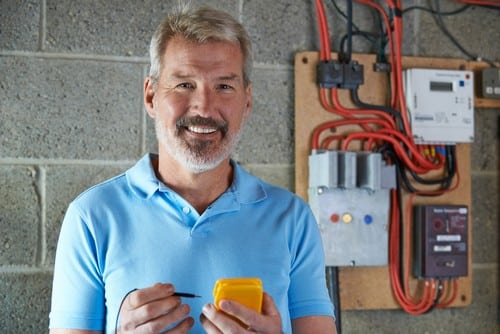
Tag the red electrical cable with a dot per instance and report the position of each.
(481, 2)
(417, 156)
(333, 124)
(397, 147)
(338, 106)
(392, 61)
(452, 298)
(324, 31)
(409, 303)
(326, 104)
(325, 145)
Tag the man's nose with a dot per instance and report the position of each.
(203, 100)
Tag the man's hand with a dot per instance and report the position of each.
(268, 322)
(152, 309)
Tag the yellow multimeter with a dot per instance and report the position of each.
(244, 290)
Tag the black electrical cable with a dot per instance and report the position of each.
(372, 37)
(439, 20)
(332, 275)
(119, 309)
(432, 11)
(344, 15)
(348, 55)
(437, 297)
(394, 113)
(382, 40)
(446, 181)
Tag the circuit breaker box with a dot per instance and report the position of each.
(349, 194)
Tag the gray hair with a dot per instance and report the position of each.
(201, 26)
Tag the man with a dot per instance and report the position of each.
(182, 219)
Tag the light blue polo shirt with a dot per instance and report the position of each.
(133, 231)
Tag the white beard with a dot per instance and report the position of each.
(196, 159)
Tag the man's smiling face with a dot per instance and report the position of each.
(200, 102)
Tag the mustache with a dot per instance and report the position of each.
(184, 122)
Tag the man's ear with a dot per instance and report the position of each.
(249, 100)
(149, 94)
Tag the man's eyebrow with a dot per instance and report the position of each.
(179, 75)
(231, 77)
(228, 77)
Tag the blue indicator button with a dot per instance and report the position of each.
(368, 219)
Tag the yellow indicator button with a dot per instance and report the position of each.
(347, 218)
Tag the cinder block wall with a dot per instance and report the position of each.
(71, 115)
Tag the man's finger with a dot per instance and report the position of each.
(268, 306)
(146, 295)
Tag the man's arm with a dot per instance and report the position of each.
(314, 324)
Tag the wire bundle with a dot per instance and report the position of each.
(423, 170)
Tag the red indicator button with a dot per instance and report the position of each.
(334, 218)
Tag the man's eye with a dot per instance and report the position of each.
(185, 85)
(225, 86)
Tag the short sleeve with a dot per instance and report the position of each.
(77, 291)
(308, 294)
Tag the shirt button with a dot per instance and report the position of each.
(186, 210)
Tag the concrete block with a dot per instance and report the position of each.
(485, 149)
(477, 30)
(411, 19)
(268, 134)
(485, 219)
(70, 109)
(278, 29)
(279, 175)
(19, 216)
(25, 302)
(19, 25)
(64, 184)
(110, 27)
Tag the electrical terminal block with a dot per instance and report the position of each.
(330, 74)
(322, 173)
(333, 74)
(353, 75)
(350, 169)
(369, 170)
(347, 169)
(382, 67)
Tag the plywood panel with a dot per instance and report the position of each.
(369, 287)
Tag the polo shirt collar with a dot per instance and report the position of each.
(245, 188)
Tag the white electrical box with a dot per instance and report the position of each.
(440, 105)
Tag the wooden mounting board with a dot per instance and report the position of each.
(369, 287)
